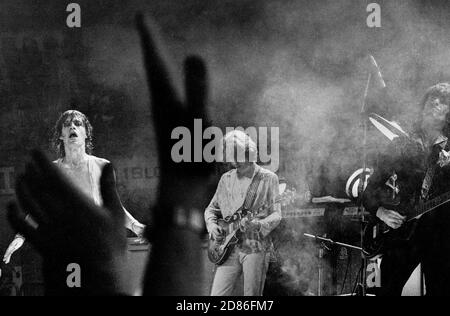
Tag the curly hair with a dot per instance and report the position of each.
(441, 91)
(57, 143)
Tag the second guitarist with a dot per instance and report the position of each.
(415, 171)
(252, 254)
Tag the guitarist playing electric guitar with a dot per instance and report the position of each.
(413, 174)
(248, 186)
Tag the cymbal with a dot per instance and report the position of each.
(390, 129)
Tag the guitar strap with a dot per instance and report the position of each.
(427, 182)
(429, 175)
(251, 191)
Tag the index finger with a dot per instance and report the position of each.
(163, 89)
(196, 85)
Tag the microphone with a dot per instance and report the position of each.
(378, 71)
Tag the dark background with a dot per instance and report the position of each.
(295, 64)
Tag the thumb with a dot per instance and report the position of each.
(108, 189)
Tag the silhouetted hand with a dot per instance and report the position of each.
(175, 266)
(72, 229)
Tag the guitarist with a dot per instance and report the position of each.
(414, 170)
(251, 256)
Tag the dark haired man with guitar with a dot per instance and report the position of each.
(408, 193)
(239, 219)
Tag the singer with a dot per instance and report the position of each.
(72, 141)
(422, 171)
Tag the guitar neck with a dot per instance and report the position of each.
(431, 205)
(243, 213)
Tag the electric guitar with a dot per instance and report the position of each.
(377, 234)
(219, 250)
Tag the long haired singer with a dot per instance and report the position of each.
(72, 142)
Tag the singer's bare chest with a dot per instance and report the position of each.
(79, 176)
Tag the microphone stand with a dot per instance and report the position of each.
(320, 276)
(323, 246)
(361, 286)
(331, 241)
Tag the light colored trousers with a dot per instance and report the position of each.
(254, 268)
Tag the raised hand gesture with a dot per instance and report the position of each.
(175, 266)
